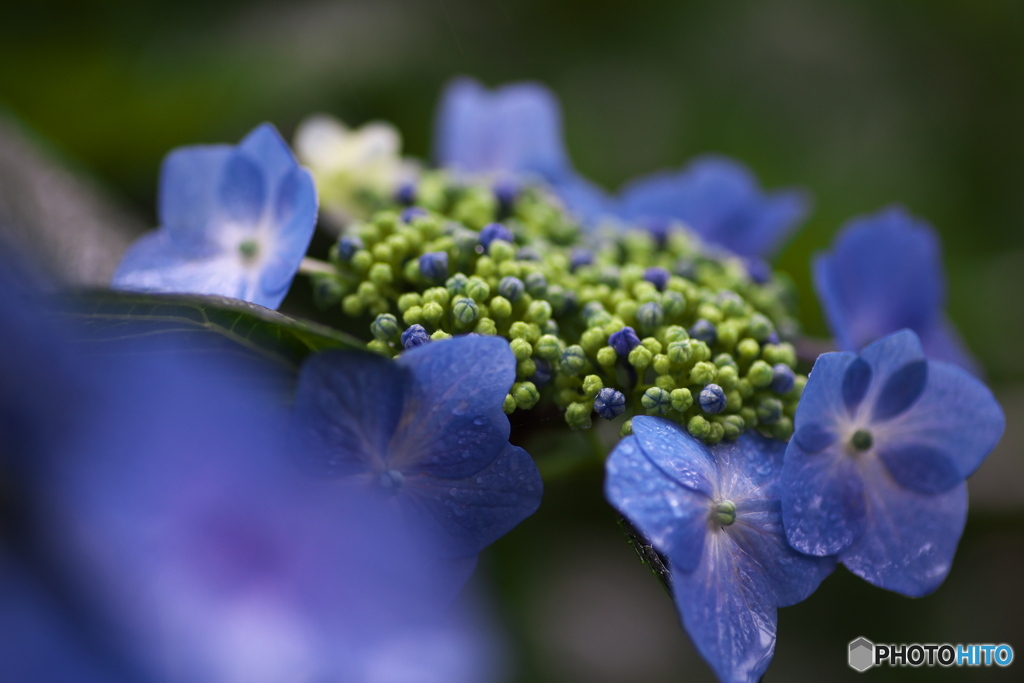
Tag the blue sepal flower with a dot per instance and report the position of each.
(876, 467)
(721, 200)
(431, 423)
(714, 513)
(235, 221)
(884, 274)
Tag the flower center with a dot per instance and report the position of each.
(861, 440)
(249, 249)
(725, 512)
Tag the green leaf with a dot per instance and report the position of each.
(199, 324)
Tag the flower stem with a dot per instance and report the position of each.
(312, 266)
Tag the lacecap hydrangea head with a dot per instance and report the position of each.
(234, 221)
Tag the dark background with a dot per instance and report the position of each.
(864, 103)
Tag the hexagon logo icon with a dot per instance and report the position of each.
(862, 654)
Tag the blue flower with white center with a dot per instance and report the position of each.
(714, 514)
(427, 430)
(235, 221)
(875, 471)
(884, 274)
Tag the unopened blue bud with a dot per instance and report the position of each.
(348, 246)
(512, 288)
(495, 231)
(610, 403)
(782, 379)
(657, 276)
(712, 399)
(650, 315)
(769, 410)
(580, 257)
(506, 191)
(563, 301)
(542, 375)
(405, 193)
(536, 283)
(412, 213)
(414, 336)
(624, 341)
(434, 266)
(705, 331)
(385, 327)
(760, 327)
(527, 254)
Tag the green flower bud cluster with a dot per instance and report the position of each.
(560, 297)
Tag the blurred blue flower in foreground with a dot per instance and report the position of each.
(235, 221)
(884, 274)
(875, 470)
(516, 132)
(426, 431)
(715, 515)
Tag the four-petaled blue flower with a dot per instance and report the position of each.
(884, 274)
(714, 514)
(875, 470)
(235, 221)
(427, 430)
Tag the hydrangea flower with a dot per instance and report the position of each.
(714, 514)
(875, 470)
(347, 162)
(721, 201)
(234, 221)
(884, 274)
(427, 431)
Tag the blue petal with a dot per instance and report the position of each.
(920, 467)
(468, 514)
(900, 391)
(909, 538)
(729, 609)
(242, 191)
(856, 381)
(517, 129)
(956, 416)
(587, 201)
(883, 274)
(154, 263)
(821, 404)
(813, 438)
(749, 471)
(347, 406)
(719, 198)
(268, 150)
(822, 500)
(942, 342)
(454, 425)
(681, 457)
(295, 219)
(674, 518)
(886, 357)
(188, 199)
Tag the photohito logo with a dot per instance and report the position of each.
(863, 654)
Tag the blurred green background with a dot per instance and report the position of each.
(864, 103)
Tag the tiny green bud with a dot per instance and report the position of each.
(661, 364)
(578, 415)
(749, 416)
(574, 359)
(728, 377)
(538, 312)
(679, 352)
(413, 315)
(675, 333)
(626, 429)
(432, 312)
(526, 395)
(760, 374)
(656, 401)
(717, 433)
(673, 304)
(382, 252)
(438, 335)
(709, 312)
(769, 410)
(666, 382)
(759, 327)
(407, 301)
(501, 307)
(500, 250)
(438, 295)
(698, 427)
(526, 367)
(367, 292)
(548, 347)
(783, 429)
(724, 359)
(780, 353)
(606, 356)
(486, 326)
(703, 373)
(385, 327)
(519, 330)
(380, 274)
(509, 406)
(626, 310)
(477, 289)
(378, 346)
(651, 344)
(361, 261)
(591, 385)
(465, 310)
(593, 339)
(745, 388)
(485, 267)
(748, 349)
(352, 305)
(640, 358)
(649, 315)
(725, 512)
(456, 284)
(521, 349)
(700, 351)
(682, 399)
